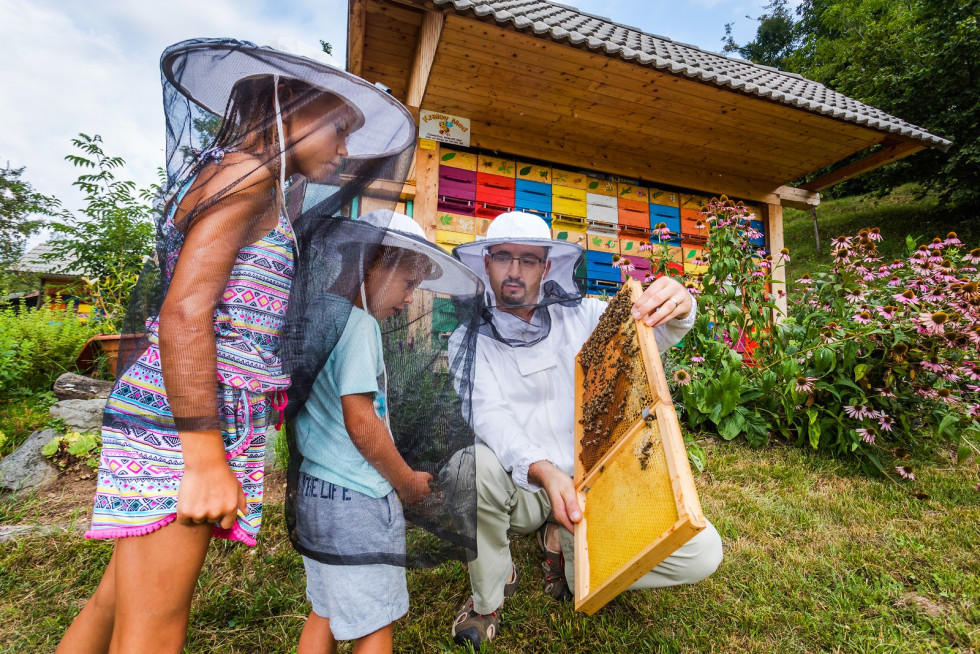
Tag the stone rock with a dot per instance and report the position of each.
(80, 415)
(79, 387)
(27, 468)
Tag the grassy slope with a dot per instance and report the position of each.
(897, 215)
(818, 558)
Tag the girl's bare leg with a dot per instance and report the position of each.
(155, 579)
(91, 630)
(378, 642)
(316, 637)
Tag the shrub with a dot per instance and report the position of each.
(38, 345)
(74, 447)
(874, 359)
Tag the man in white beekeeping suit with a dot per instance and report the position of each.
(523, 414)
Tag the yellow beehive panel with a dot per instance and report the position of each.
(599, 186)
(482, 225)
(569, 179)
(496, 165)
(576, 236)
(533, 172)
(448, 240)
(602, 241)
(630, 191)
(637, 478)
(691, 201)
(453, 222)
(457, 159)
(666, 198)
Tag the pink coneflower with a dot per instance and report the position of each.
(973, 256)
(700, 225)
(896, 264)
(937, 244)
(697, 359)
(804, 279)
(906, 297)
(875, 235)
(867, 434)
(785, 253)
(894, 280)
(649, 278)
(859, 412)
(682, 377)
(947, 396)
(646, 247)
(864, 317)
(952, 240)
(885, 422)
(888, 311)
(693, 290)
(855, 296)
(884, 393)
(933, 323)
(661, 232)
(754, 233)
(933, 366)
(841, 242)
(804, 384)
(905, 472)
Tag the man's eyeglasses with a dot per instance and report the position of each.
(504, 260)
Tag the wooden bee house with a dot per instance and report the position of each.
(632, 475)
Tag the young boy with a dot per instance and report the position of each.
(353, 479)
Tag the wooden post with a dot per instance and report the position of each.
(774, 228)
(356, 27)
(425, 54)
(816, 228)
(427, 188)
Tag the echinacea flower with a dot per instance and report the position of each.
(867, 434)
(905, 472)
(885, 422)
(888, 311)
(933, 323)
(859, 412)
(937, 244)
(906, 297)
(864, 317)
(785, 253)
(973, 256)
(875, 235)
(697, 359)
(804, 384)
(682, 377)
(804, 279)
(952, 240)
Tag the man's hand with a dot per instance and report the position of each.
(665, 299)
(561, 492)
(414, 487)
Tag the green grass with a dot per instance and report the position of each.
(897, 215)
(818, 559)
(20, 416)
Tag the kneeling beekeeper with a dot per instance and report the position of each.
(522, 413)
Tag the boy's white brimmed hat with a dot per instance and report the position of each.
(206, 70)
(448, 275)
(525, 229)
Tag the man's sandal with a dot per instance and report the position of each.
(553, 581)
(474, 628)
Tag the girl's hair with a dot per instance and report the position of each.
(391, 257)
(250, 118)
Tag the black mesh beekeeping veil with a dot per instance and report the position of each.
(562, 283)
(422, 391)
(263, 149)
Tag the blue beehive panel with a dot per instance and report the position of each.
(599, 267)
(759, 226)
(534, 196)
(601, 287)
(671, 216)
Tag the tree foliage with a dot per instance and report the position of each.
(22, 213)
(115, 229)
(917, 59)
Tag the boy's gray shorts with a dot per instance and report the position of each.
(343, 527)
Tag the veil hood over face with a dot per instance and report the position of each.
(563, 283)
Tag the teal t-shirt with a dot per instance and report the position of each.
(354, 367)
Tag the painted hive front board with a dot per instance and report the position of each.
(632, 475)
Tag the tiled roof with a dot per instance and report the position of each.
(563, 23)
(33, 261)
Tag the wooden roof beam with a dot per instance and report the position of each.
(425, 54)
(893, 150)
(356, 30)
(796, 198)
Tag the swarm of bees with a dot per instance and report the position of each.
(615, 385)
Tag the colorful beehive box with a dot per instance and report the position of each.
(453, 222)
(569, 229)
(533, 172)
(631, 241)
(601, 186)
(692, 201)
(694, 259)
(494, 195)
(669, 216)
(569, 178)
(482, 225)
(531, 196)
(602, 208)
(602, 240)
(694, 224)
(447, 240)
(566, 201)
(599, 267)
(665, 198)
(635, 192)
(458, 159)
(496, 166)
(633, 213)
(637, 267)
(457, 190)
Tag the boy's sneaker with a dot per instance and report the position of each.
(511, 586)
(553, 567)
(475, 628)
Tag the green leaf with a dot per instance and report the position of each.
(448, 156)
(525, 171)
(963, 453)
(593, 185)
(860, 370)
(813, 429)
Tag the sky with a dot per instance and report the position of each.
(92, 66)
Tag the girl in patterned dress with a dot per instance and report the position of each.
(184, 427)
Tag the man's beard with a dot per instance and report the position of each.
(516, 302)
